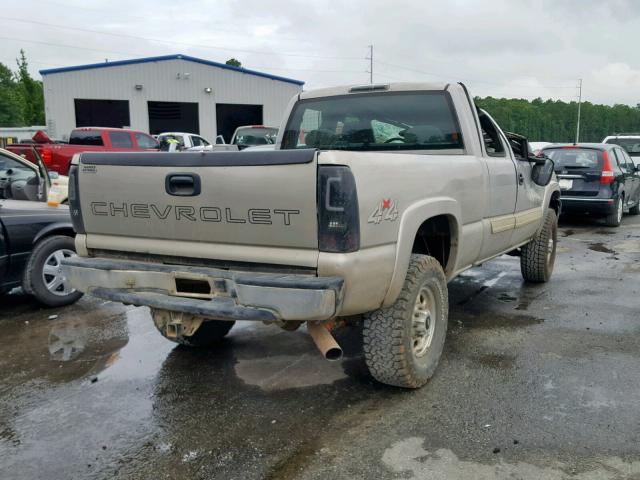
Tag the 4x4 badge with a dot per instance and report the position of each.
(386, 210)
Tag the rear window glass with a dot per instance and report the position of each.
(256, 136)
(378, 121)
(145, 141)
(120, 139)
(631, 145)
(85, 137)
(167, 140)
(579, 158)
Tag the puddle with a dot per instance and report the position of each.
(505, 297)
(599, 247)
(409, 458)
(498, 321)
(282, 372)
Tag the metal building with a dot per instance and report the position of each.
(167, 93)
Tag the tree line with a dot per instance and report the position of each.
(21, 97)
(555, 120)
(22, 104)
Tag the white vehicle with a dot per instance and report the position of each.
(537, 146)
(254, 135)
(629, 141)
(192, 142)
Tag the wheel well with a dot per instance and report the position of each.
(435, 238)
(68, 231)
(555, 202)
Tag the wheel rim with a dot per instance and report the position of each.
(423, 322)
(619, 210)
(53, 275)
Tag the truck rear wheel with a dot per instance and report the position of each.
(403, 343)
(190, 330)
(539, 255)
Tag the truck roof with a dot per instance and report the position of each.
(376, 87)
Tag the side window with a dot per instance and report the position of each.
(120, 139)
(196, 141)
(145, 141)
(204, 142)
(492, 139)
(622, 162)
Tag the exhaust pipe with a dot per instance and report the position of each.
(325, 342)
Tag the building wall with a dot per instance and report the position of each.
(160, 82)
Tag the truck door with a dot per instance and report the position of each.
(530, 198)
(499, 219)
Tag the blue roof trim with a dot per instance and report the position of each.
(188, 58)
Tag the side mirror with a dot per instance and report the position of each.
(220, 140)
(542, 171)
(53, 175)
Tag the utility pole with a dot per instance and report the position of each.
(370, 58)
(579, 102)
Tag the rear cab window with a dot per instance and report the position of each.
(120, 140)
(145, 141)
(86, 137)
(389, 121)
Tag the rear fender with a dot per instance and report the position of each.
(59, 228)
(412, 218)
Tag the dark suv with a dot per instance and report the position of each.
(596, 178)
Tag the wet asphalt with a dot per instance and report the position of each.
(536, 382)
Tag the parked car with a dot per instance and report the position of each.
(596, 178)
(57, 156)
(192, 142)
(34, 237)
(253, 135)
(382, 202)
(629, 141)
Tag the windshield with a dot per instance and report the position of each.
(256, 136)
(379, 121)
(579, 158)
(631, 145)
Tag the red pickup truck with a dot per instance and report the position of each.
(57, 156)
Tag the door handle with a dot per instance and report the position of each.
(182, 184)
(520, 179)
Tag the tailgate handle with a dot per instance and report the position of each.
(182, 184)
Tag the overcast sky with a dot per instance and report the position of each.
(503, 48)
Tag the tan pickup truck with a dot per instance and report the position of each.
(374, 198)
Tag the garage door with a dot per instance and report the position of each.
(102, 113)
(230, 116)
(173, 117)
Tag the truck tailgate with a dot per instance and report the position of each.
(259, 199)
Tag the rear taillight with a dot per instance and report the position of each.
(338, 218)
(74, 200)
(607, 176)
(46, 156)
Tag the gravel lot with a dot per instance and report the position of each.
(536, 382)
